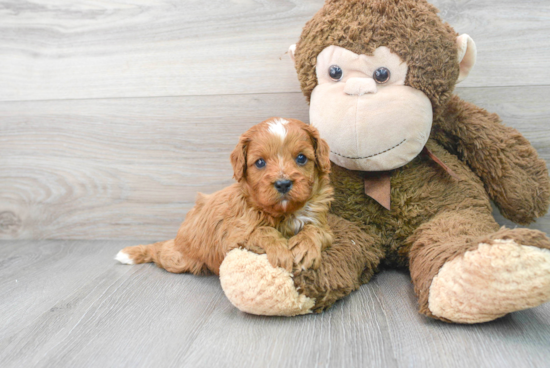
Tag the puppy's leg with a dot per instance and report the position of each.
(165, 255)
(268, 240)
(139, 253)
(307, 245)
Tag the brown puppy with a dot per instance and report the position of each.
(278, 206)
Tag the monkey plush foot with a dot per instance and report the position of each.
(254, 286)
(490, 282)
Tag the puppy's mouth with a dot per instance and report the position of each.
(284, 203)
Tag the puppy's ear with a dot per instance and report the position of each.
(322, 150)
(238, 158)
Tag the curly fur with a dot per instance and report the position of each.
(434, 218)
(410, 28)
(291, 228)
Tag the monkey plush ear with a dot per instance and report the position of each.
(322, 150)
(238, 158)
(467, 53)
(291, 51)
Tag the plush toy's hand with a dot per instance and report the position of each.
(254, 286)
(522, 194)
(514, 175)
(306, 252)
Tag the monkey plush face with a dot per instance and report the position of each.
(371, 120)
(376, 74)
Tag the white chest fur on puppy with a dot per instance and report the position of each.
(301, 218)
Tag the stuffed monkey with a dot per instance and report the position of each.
(414, 171)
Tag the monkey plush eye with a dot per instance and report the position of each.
(381, 75)
(260, 163)
(301, 159)
(335, 72)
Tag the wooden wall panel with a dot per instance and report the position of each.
(119, 168)
(114, 114)
(130, 168)
(143, 48)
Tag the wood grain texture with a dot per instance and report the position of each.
(124, 168)
(88, 311)
(94, 147)
(131, 168)
(142, 48)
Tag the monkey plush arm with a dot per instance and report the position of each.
(514, 175)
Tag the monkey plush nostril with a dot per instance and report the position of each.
(360, 86)
(283, 186)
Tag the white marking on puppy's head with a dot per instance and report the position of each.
(277, 127)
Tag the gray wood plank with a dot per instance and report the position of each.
(511, 38)
(147, 48)
(125, 168)
(131, 168)
(520, 339)
(142, 316)
(36, 275)
(142, 48)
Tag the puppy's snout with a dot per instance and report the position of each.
(283, 186)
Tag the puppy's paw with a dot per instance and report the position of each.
(280, 256)
(124, 258)
(306, 252)
(255, 249)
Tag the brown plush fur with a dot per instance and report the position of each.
(434, 218)
(410, 28)
(350, 262)
(290, 228)
(513, 174)
(448, 236)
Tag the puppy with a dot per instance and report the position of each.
(278, 206)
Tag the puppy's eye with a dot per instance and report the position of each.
(301, 159)
(335, 72)
(260, 163)
(381, 75)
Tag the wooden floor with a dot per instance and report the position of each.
(69, 304)
(113, 114)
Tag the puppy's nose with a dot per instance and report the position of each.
(283, 186)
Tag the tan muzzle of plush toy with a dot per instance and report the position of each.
(370, 119)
